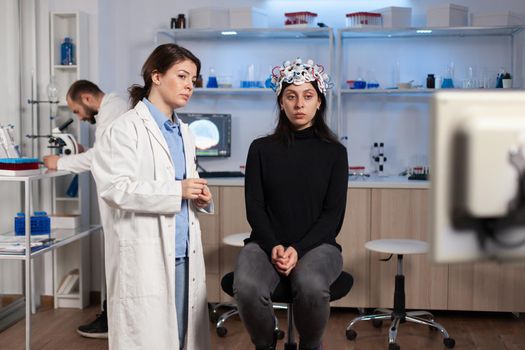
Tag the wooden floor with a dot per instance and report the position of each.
(55, 329)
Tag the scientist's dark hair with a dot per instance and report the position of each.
(82, 87)
(284, 131)
(160, 60)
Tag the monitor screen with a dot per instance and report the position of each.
(478, 175)
(212, 133)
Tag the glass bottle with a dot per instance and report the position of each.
(431, 81)
(67, 52)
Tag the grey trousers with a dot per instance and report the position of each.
(256, 279)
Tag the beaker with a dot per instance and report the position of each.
(212, 79)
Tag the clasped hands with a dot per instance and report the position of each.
(196, 190)
(284, 259)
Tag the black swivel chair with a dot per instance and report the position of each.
(283, 295)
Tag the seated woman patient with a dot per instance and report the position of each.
(295, 192)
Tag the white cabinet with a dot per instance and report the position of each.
(75, 256)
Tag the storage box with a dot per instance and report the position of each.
(363, 20)
(209, 17)
(248, 17)
(508, 18)
(396, 17)
(447, 15)
(65, 221)
(300, 19)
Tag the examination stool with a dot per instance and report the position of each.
(399, 314)
(283, 295)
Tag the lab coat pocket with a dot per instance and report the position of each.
(141, 271)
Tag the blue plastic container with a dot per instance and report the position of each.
(40, 224)
(67, 52)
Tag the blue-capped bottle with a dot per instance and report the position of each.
(67, 52)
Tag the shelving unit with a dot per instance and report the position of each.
(418, 51)
(233, 91)
(249, 39)
(246, 33)
(62, 239)
(74, 256)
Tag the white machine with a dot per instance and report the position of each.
(65, 143)
(478, 180)
(8, 146)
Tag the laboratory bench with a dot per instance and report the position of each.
(353, 182)
(377, 208)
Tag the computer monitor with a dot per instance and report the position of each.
(477, 175)
(212, 133)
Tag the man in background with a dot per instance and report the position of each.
(90, 104)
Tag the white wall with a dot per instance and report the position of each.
(122, 34)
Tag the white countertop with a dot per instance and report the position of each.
(369, 182)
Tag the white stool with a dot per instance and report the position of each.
(399, 314)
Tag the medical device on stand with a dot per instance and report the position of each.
(64, 143)
(379, 158)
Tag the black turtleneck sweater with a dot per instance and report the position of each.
(295, 194)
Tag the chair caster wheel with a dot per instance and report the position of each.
(280, 334)
(351, 334)
(221, 331)
(377, 323)
(449, 342)
(393, 346)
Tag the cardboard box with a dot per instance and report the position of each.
(209, 17)
(65, 221)
(396, 17)
(508, 18)
(248, 17)
(447, 15)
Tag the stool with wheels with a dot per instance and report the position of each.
(233, 240)
(283, 294)
(399, 314)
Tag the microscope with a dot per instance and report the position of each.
(64, 143)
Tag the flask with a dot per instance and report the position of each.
(431, 81)
(67, 52)
(212, 80)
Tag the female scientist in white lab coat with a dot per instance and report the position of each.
(146, 175)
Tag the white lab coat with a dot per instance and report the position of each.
(136, 179)
(111, 107)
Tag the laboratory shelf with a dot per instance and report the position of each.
(44, 175)
(66, 67)
(61, 238)
(421, 32)
(416, 91)
(247, 33)
(387, 91)
(66, 199)
(233, 91)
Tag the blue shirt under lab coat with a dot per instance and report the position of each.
(173, 136)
